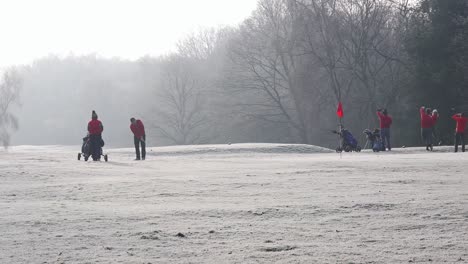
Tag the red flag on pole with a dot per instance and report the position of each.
(339, 111)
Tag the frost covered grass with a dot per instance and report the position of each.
(240, 203)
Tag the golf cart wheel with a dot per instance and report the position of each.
(105, 158)
(358, 149)
(339, 150)
(347, 148)
(79, 156)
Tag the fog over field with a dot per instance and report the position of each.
(233, 131)
(233, 71)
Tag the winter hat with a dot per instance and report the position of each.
(94, 115)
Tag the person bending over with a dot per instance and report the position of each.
(139, 137)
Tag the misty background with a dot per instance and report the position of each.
(276, 76)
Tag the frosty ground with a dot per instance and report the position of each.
(240, 203)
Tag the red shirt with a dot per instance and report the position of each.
(138, 129)
(95, 127)
(461, 123)
(427, 121)
(385, 120)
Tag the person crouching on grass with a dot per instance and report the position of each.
(461, 120)
(139, 137)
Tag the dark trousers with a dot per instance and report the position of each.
(459, 139)
(426, 134)
(137, 142)
(95, 146)
(385, 136)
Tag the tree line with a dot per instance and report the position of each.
(276, 77)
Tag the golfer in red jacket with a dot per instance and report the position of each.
(462, 120)
(428, 121)
(385, 123)
(95, 129)
(138, 130)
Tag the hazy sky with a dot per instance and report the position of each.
(129, 29)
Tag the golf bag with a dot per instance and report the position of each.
(374, 141)
(348, 142)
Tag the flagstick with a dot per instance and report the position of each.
(339, 113)
(340, 139)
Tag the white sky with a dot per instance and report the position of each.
(30, 29)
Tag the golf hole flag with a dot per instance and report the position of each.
(339, 110)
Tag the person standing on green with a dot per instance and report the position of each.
(385, 123)
(428, 121)
(461, 120)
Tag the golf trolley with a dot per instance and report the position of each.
(86, 149)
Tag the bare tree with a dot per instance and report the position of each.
(200, 45)
(321, 34)
(181, 117)
(10, 86)
(267, 57)
(358, 43)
